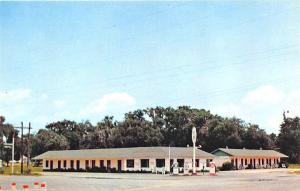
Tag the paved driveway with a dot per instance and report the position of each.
(265, 180)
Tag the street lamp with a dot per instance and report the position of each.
(12, 145)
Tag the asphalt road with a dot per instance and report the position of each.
(248, 180)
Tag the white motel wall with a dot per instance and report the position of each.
(202, 165)
(151, 159)
(156, 159)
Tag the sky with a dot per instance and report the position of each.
(85, 60)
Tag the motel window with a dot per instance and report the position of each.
(101, 163)
(93, 163)
(180, 162)
(160, 163)
(246, 162)
(144, 163)
(65, 164)
(130, 163)
(72, 164)
(87, 164)
(47, 163)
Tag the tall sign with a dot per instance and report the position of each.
(194, 138)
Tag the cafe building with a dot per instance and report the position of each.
(248, 158)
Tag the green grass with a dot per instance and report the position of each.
(294, 166)
(36, 171)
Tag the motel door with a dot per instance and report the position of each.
(119, 165)
(171, 165)
(59, 164)
(236, 164)
(51, 165)
(78, 164)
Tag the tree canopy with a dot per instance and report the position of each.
(168, 126)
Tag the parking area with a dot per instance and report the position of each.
(279, 179)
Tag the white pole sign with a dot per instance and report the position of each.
(194, 137)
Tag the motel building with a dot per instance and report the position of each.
(248, 158)
(147, 159)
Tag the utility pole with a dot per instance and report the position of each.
(28, 147)
(13, 153)
(22, 146)
(22, 151)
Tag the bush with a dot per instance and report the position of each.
(227, 166)
(282, 164)
(27, 171)
(249, 166)
(136, 171)
(97, 169)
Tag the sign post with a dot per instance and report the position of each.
(194, 137)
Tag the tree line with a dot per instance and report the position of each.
(160, 126)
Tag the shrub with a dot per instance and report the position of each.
(227, 166)
(27, 171)
(249, 166)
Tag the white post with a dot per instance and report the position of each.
(194, 137)
(194, 158)
(12, 155)
(169, 159)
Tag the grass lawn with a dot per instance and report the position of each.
(294, 166)
(17, 170)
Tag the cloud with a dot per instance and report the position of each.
(292, 103)
(264, 106)
(264, 95)
(59, 104)
(16, 95)
(110, 103)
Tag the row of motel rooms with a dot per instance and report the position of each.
(157, 158)
(131, 164)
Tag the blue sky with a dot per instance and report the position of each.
(85, 60)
